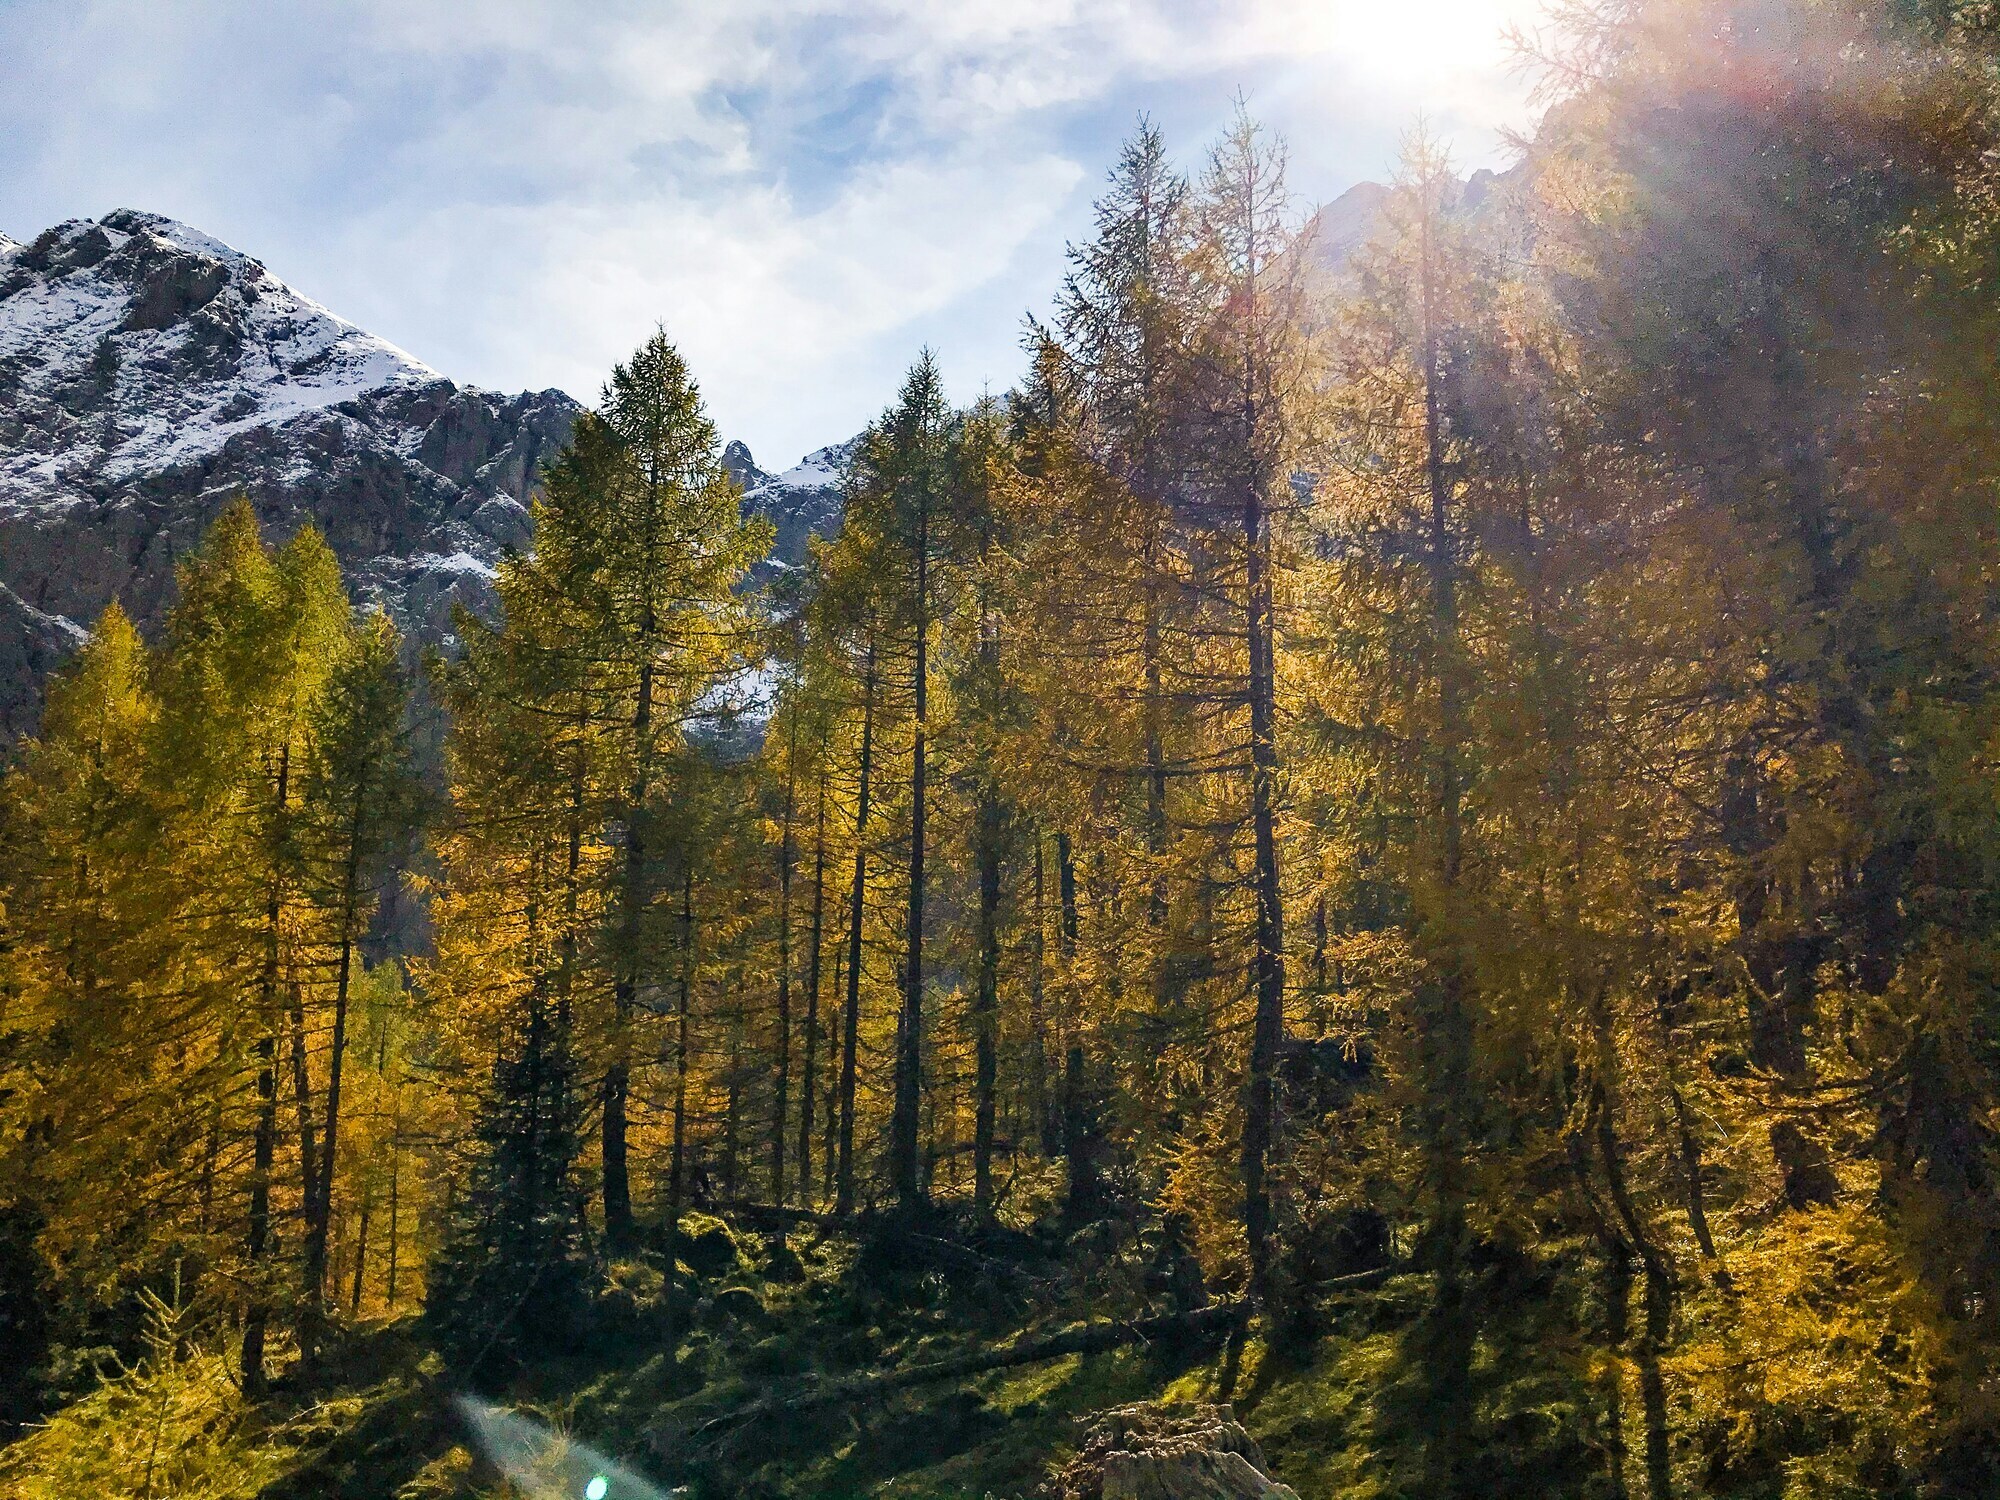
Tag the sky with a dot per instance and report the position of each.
(802, 193)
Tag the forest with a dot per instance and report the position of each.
(1413, 846)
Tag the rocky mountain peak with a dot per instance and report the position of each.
(740, 466)
(149, 371)
(803, 501)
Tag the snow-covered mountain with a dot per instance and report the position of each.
(802, 502)
(149, 372)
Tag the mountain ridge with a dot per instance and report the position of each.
(149, 371)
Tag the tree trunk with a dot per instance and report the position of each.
(361, 1249)
(264, 1145)
(1653, 1391)
(905, 1157)
(1617, 1315)
(263, 1150)
(625, 990)
(1658, 1274)
(1268, 1029)
(319, 1196)
(1691, 1166)
(851, 1020)
(684, 999)
(829, 1154)
(986, 1013)
(1078, 1139)
(732, 1107)
(814, 946)
(309, 1156)
(1156, 759)
(1038, 1020)
(1449, 1063)
(395, 1218)
(781, 1101)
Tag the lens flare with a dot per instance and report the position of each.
(545, 1464)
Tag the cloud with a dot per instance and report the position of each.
(800, 191)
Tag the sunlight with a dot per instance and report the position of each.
(1422, 42)
(547, 1464)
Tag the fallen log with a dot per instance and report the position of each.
(812, 1394)
(783, 1216)
(870, 1224)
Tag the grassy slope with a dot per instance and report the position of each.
(377, 1421)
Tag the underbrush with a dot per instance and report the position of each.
(675, 1352)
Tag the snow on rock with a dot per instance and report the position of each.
(823, 468)
(730, 716)
(802, 502)
(148, 372)
(458, 562)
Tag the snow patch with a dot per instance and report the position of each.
(822, 469)
(456, 562)
(62, 624)
(747, 695)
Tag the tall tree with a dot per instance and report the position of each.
(901, 496)
(358, 809)
(639, 547)
(248, 645)
(1251, 373)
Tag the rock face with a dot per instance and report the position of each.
(148, 373)
(802, 502)
(32, 645)
(1165, 1451)
(1343, 226)
(1342, 229)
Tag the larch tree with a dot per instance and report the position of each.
(639, 548)
(359, 808)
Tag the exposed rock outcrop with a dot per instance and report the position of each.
(1166, 1451)
(802, 502)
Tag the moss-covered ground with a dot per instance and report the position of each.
(1344, 1412)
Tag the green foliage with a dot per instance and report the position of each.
(510, 1274)
(172, 1424)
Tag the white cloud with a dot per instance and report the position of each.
(800, 190)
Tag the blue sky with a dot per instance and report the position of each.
(802, 192)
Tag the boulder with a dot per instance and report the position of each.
(1166, 1451)
(782, 1265)
(737, 1305)
(706, 1247)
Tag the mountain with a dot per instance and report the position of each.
(1338, 231)
(802, 502)
(148, 372)
(1342, 227)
